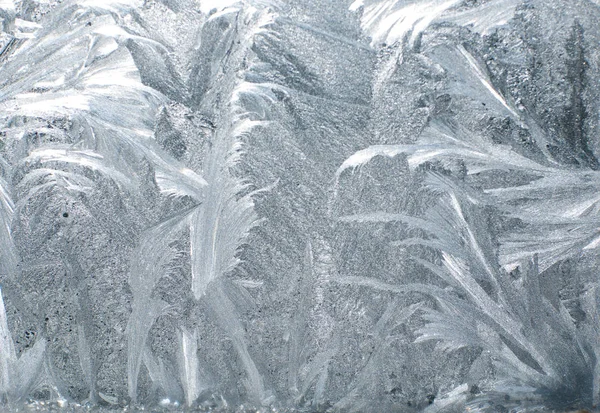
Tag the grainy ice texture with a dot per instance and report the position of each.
(300, 205)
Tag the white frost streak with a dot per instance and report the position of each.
(8, 256)
(498, 157)
(189, 366)
(593, 245)
(86, 159)
(485, 81)
(36, 105)
(356, 5)
(389, 21)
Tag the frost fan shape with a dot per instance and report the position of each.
(320, 205)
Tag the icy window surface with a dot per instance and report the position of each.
(300, 205)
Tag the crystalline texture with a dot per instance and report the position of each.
(313, 205)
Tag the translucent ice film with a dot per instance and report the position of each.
(368, 206)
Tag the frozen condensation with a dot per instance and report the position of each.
(300, 206)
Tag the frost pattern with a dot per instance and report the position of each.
(377, 205)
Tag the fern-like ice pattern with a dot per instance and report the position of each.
(318, 205)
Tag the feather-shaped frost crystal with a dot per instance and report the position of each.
(315, 205)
